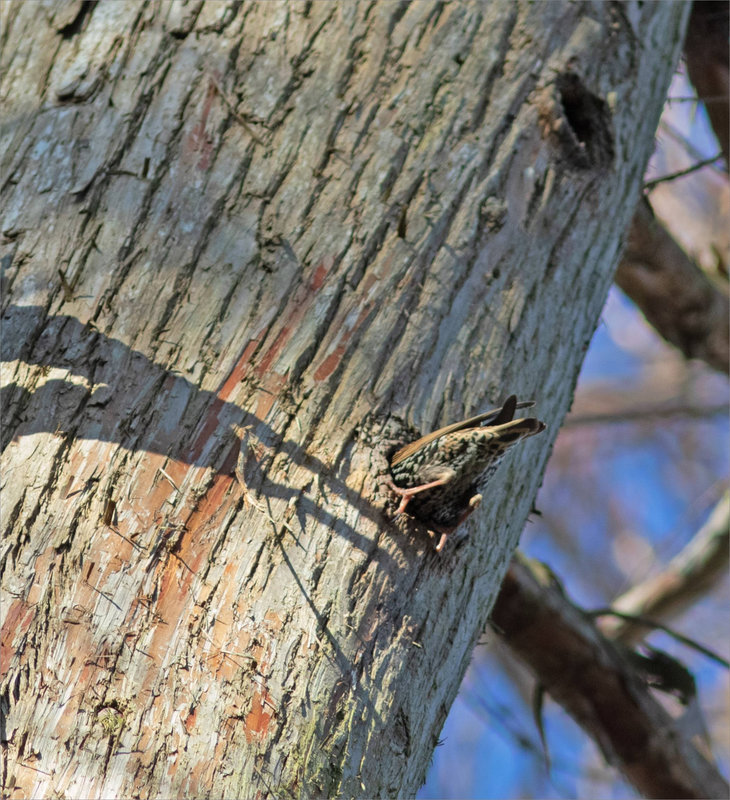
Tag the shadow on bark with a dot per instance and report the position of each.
(126, 398)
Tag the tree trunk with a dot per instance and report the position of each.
(297, 230)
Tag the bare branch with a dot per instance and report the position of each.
(705, 162)
(673, 293)
(695, 99)
(651, 413)
(706, 54)
(701, 564)
(595, 684)
(692, 151)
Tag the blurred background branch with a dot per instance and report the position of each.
(634, 507)
(687, 577)
(584, 673)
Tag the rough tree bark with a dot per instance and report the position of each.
(303, 227)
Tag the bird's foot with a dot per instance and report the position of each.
(474, 503)
(406, 494)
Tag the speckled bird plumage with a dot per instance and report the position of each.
(441, 475)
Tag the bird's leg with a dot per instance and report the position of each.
(406, 494)
(473, 504)
(442, 540)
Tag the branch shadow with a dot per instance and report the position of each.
(113, 393)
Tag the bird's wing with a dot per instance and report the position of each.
(497, 416)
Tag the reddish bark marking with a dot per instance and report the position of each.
(177, 470)
(89, 670)
(174, 591)
(329, 365)
(17, 622)
(222, 664)
(173, 604)
(228, 666)
(258, 718)
(213, 763)
(226, 390)
(209, 426)
(299, 305)
(194, 544)
(191, 549)
(225, 666)
(318, 278)
(190, 720)
(212, 502)
(198, 138)
(361, 317)
(158, 490)
(274, 619)
(158, 487)
(267, 399)
(228, 572)
(144, 745)
(239, 370)
(268, 358)
(113, 541)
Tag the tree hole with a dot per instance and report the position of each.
(587, 138)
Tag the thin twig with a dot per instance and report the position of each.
(654, 625)
(649, 185)
(694, 99)
(233, 111)
(680, 138)
(638, 414)
(700, 564)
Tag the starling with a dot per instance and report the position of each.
(439, 477)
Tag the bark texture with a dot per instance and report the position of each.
(294, 230)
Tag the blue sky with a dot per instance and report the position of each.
(658, 491)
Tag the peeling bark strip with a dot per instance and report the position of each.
(223, 189)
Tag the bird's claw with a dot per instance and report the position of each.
(404, 493)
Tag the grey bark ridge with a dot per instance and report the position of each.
(393, 232)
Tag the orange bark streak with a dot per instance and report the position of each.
(239, 370)
(259, 717)
(318, 278)
(268, 359)
(329, 365)
(17, 622)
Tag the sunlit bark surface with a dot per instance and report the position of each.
(293, 231)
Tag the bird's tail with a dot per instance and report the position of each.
(511, 432)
